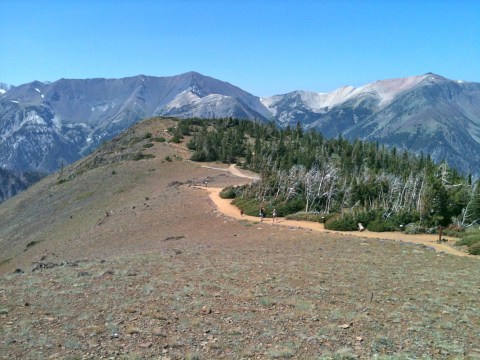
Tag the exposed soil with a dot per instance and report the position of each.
(144, 264)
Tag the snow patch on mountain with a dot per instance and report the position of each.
(384, 91)
(4, 88)
(182, 99)
(30, 118)
(387, 90)
(319, 101)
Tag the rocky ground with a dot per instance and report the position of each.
(145, 266)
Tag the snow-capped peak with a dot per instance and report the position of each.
(385, 91)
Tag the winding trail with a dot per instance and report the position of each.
(226, 207)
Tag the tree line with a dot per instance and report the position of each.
(303, 171)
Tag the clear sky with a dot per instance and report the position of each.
(266, 47)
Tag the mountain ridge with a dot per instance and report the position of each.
(46, 125)
(400, 115)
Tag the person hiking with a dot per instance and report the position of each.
(274, 214)
(262, 213)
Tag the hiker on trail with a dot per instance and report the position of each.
(241, 212)
(274, 214)
(262, 213)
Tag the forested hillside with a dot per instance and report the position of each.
(345, 182)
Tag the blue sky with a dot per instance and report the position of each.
(264, 47)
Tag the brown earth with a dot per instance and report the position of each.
(131, 260)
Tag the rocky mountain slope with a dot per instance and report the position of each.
(44, 126)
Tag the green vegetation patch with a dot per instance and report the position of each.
(382, 226)
(303, 216)
(141, 156)
(300, 170)
(228, 193)
(341, 223)
(471, 239)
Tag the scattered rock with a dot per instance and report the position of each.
(159, 316)
(96, 330)
(158, 332)
(18, 271)
(131, 330)
(206, 310)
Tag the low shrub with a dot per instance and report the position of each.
(199, 156)
(381, 226)
(342, 223)
(228, 193)
(249, 206)
(304, 216)
(365, 217)
(32, 243)
(454, 230)
(291, 206)
(414, 229)
(474, 249)
(176, 139)
(404, 217)
(147, 145)
(472, 240)
(141, 156)
(159, 139)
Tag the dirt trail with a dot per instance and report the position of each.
(225, 206)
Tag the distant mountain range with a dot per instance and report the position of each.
(424, 114)
(44, 126)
